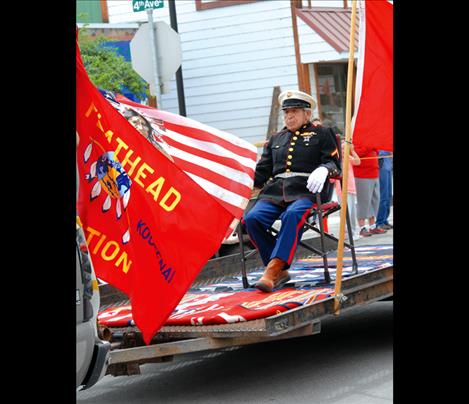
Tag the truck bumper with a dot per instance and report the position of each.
(99, 363)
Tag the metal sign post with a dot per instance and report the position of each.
(154, 59)
(157, 60)
(149, 5)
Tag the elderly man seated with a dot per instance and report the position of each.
(294, 166)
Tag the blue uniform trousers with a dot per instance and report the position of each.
(385, 189)
(264, 214)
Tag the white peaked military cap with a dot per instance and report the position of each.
(296, 99)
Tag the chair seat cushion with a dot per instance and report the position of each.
(325, 206)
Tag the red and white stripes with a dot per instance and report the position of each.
(221, 163)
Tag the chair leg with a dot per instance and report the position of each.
(243, 257)
(351, 242)
(327, 277)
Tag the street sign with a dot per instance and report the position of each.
(142, 5)
(169, 54)
(168, 51)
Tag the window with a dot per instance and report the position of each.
(207, 4)
(332, 89)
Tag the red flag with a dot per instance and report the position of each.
(372, 124)
(149, 227)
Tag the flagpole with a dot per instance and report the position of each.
(345, 158)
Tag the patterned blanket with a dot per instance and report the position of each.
(227, 302)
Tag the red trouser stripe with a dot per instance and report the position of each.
(300, 224)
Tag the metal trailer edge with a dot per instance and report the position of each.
(128, 350)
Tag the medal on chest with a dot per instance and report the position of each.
(307, 135)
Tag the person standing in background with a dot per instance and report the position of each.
(316, 122)
(385, 190)
(367, 184)
(354, 160)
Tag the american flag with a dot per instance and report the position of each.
(219, 162)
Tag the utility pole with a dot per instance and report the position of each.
(179, 80)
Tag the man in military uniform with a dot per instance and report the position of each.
(294, 166)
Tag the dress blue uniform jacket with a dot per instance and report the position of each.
(302, 151)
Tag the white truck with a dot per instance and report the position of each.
(92, 353)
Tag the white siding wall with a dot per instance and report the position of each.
(232, 57)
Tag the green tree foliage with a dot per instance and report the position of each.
(106, 68)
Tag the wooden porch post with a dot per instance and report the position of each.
(104, 11)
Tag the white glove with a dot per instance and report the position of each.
(316, 179)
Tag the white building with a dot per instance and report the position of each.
(235, 52)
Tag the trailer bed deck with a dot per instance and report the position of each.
(312, 301)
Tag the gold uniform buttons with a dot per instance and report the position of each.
(289, 157)
(287, 170)
(293, 143)
(297, 132)
(290, 149)
(295, 137)
(288, 163)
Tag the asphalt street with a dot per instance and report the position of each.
(349, 362)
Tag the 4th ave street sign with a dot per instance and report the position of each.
(142, 5)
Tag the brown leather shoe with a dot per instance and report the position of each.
(282, 278)
(273, 276)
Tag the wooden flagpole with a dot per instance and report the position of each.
(348, 118)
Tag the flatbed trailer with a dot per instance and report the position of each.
(128, 351)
